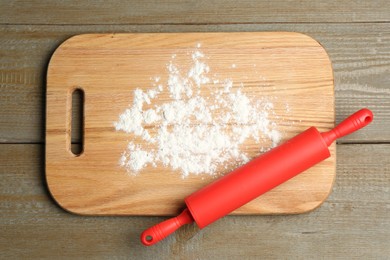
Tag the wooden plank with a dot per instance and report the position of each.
(353, 223)
(110, 67)
(189, 12)
(359, 53)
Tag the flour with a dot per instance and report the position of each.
(192, 133)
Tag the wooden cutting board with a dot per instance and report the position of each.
(291, 69)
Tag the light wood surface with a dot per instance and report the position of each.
(288, 68)
(353, 223)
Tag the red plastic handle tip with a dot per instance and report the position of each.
(361, 118)
(151, 236)
(351, 124)
(160, 231)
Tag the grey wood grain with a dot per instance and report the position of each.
(192, 12)
(359, 53)
(353, 223)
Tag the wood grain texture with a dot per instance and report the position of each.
(190, 12)
(293, 69)
(353, 223)
(359, 54)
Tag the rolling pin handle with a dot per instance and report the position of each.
(160, 231)
(351, 124)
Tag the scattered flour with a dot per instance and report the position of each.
(192, 133)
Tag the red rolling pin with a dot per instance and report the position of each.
(257, 177)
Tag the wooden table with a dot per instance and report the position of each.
(353, 223)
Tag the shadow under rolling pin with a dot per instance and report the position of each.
(260, 175)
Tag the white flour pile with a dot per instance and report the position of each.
(191, 132)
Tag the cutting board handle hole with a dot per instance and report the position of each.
(77, 122)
